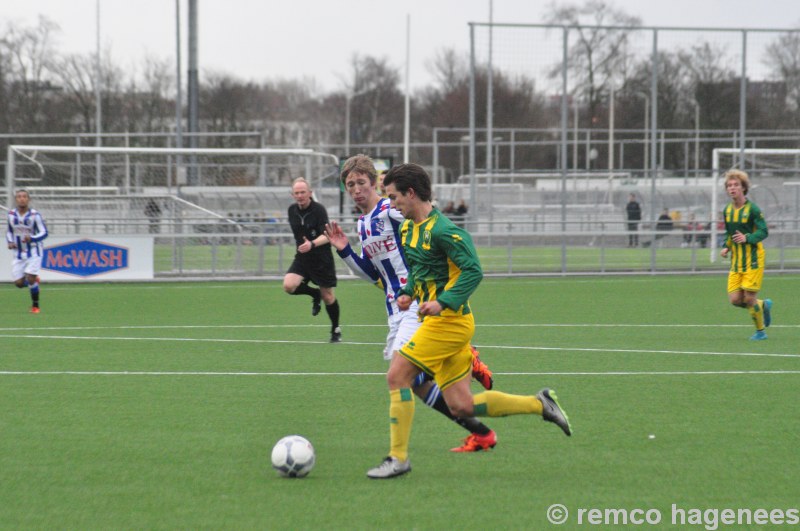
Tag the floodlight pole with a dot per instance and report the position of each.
(193, 83)
(407, 122)
(179, 89)
(98, 98)
(653, 145)
(178, 95)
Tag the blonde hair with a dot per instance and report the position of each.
(740, 176)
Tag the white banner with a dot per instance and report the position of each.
(80, 259)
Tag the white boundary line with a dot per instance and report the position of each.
(493, 347)
(383, 374)
(270, 326)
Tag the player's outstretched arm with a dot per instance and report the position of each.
(335, 234)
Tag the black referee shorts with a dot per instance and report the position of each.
(319, 269)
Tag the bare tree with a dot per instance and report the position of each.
(27, 69)
(377, 103)
(601, 54)
(714, 84)
(76, 75)
(782, 57)
(449, 68)
(150, 105)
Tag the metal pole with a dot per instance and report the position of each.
(98, 102)
(743, 102)
(435, 155)
(193, 88)
(646, 133)
(611, 133)
(696, 141)
(473, 188)
(564, 124)
(490, 124)
(489, 98)
(653, 145)
(10, 162)
(178, 91)
(348, 97)
(407, 127)
(575, 139)
(512, 154)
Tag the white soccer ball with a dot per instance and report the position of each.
(293, 456)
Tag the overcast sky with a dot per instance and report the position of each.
(266, 39)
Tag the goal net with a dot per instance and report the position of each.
(96, 189)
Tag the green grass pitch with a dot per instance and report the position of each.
(155, 406)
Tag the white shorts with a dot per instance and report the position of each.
(25, 266)
(402, 326)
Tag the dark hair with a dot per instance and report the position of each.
(406, 176)
(359, 164)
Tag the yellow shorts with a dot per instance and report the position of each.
(440, 347)
(747, 281)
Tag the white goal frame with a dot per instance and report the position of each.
(20, 150)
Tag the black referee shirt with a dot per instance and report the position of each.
(309, 223)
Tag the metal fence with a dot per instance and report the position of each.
(608, 78)
(228, 249)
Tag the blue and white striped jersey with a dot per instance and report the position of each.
(381, 258)
(30, 224)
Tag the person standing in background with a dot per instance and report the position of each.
(633, 211)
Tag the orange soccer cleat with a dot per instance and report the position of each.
(480, 371)
(477, 443)
(35, 309)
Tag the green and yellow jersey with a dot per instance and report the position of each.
(749, 220)
(442, 262)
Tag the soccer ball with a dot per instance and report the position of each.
(293, 457)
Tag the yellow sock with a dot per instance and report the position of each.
(401, 415)
(497, 404)
(757, 313)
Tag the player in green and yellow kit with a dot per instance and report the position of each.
(746, 230)
(444, 271)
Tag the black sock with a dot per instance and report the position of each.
(333, 314)
(471, 424)
(305, 289)
(34, 290)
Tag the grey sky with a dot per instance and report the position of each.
(261, 39)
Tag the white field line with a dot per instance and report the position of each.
(269, 326)
(492, 347)
(275, 283)
(382, 374)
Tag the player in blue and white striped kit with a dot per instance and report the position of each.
(381, 261)
(25, 233)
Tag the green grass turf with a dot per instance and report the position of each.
(156, 406)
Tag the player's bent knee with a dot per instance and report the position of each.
(397, 380)
(289, 287)
(461, 410)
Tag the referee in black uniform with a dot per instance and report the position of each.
(314, 259)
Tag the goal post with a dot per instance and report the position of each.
(34, 165)
(127, 187)
(761, 164)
